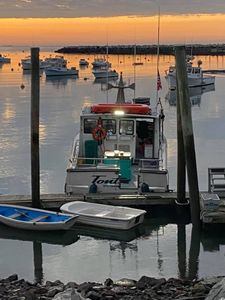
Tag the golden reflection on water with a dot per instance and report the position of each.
(8, 113)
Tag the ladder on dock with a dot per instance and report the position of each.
(216, 180)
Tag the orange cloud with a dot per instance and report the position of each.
(114, 30)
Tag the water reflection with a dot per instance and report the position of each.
(195, 94)
(60, 81)
(63, 238)
(104, 80)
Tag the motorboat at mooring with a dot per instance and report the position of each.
(120, 148)
(4, 59)
(22, 217)
(101, 63)
(116, 217)
(83, 62)
(61, 71)
(195, 75)
(105, 73)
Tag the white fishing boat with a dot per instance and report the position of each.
(101, 63)
(120, 148)
(105, 73)
(83, 62)
(22, 217)
(195, 75)
(116, 217)
(61, 71)
(4, 59)
(27, 65)
(56, 61)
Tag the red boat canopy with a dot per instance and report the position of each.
(139, 109)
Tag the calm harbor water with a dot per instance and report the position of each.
(157, 249)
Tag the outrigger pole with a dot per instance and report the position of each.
(121, 86)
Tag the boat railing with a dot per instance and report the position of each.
(151, 163)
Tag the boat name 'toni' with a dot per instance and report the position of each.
(97, 180)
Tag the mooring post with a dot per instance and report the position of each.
(188, 137)
(35, 95)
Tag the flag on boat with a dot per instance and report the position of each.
(159, 84)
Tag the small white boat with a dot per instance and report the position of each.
(61, 71)
(117, 217)
(100, 63)
(4, 59)
(22, 217)
(104, 73)
(195, 76)
(27, 64)
(83, 62)
(56, 61)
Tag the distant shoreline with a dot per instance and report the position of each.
(212, 49)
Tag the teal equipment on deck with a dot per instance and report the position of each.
(91, 150)
(124, 162)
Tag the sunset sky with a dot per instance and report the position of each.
(97, 22)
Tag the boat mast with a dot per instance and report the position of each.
(157, 63)
(107, 76)
(134, 64)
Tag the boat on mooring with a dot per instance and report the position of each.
(120, 148)
(101, 215)
(195, 75)
(61, 71)
(22, 217)
(4, 59)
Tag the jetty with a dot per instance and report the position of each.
(195, 49)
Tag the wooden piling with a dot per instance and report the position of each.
(35, 96)
(188, 137)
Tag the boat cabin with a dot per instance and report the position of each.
(123, 130)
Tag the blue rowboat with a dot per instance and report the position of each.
(35, 219)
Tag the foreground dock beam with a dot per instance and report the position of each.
(188, 137)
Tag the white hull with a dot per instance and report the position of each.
(61, 72)
(105, 74)
(192, 81)
(114, 217)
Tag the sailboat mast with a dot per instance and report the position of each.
(157, 63)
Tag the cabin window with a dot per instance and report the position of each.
(89, 125)
(126, 127)
(109, 125)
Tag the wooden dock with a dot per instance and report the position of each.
(54, 201)
(208, 215)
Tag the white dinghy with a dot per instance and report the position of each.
(102, 215)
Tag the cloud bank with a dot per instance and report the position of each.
(106, 8)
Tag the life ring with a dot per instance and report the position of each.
(99, 134)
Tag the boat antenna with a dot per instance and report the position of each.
(107, 66)
(134, 64)
(157, 62)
